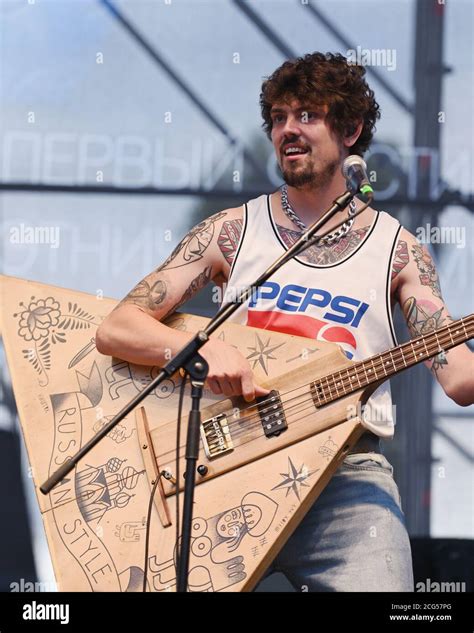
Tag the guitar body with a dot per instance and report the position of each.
(257, 485)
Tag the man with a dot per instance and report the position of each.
(317, 110)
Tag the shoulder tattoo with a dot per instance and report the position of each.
(194, 244)
(228, 239)
(400, 259)
(428, 274)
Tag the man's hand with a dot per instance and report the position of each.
(229, 372)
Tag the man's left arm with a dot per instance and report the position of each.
(419, 294)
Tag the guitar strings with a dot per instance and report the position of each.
(254, 419)
(342, 384)
(356, 370)
(256, 415)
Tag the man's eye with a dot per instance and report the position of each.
(277, 118)
(306, 116)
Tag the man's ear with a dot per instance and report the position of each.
(352, 134)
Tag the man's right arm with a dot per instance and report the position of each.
(133, 331)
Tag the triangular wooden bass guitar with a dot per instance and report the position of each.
(262, 466)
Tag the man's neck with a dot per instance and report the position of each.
(310, 204)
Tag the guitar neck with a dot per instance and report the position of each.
(382, 366)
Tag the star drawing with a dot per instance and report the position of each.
(262, 353)
(294, 478)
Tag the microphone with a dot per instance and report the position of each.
(354, 171)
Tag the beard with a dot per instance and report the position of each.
(306, 176)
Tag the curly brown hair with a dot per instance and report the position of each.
(320, 79)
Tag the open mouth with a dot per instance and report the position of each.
(294, 152)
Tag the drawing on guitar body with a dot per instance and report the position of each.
(265, 462)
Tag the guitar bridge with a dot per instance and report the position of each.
(271, 413)
(215, 435)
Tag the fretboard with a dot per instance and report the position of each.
(382, 366)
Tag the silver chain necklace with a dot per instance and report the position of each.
(332, 237)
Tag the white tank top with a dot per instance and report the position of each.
(347, 302)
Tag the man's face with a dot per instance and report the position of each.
(317, 152)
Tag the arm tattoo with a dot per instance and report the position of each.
(423, 317)
(147, 294)
(194, 244)
(428, 273)
(228, 239)
(325, 254)
(198, 283)
(401, 258)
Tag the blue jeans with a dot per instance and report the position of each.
(354, 537)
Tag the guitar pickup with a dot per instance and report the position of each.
(272, 414)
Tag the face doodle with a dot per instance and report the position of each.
(231, 524)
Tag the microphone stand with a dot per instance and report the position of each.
(189, 359)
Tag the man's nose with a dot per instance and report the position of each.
(292, 126)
